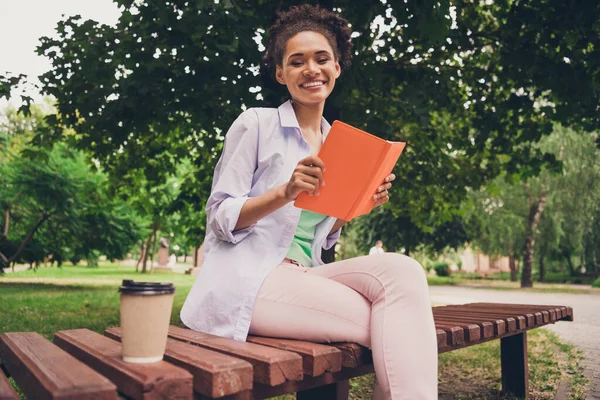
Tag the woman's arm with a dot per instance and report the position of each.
(307, 177)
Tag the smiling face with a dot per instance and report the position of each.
(308, 68)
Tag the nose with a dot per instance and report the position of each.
(312, 69)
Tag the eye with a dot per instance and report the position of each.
(323, 60)
(296, 63)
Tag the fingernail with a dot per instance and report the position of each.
(380, 188)
(323, 183)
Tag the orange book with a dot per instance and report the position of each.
(356, 163)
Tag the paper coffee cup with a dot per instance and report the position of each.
(145, 318)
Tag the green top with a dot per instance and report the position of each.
(300, 250)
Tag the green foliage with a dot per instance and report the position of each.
(53, 205)
(596, 283)
(441, 268)
(469, 92)
(497, 217)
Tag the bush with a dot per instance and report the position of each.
(596, 283)
(442, 268)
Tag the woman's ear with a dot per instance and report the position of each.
(279, 75)
(338, 70)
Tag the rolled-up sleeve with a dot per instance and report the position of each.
(233, 177)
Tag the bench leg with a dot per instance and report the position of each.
(334, 391)
(515, 373)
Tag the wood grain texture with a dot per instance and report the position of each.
(160, 380)
(215, 374)
(271, 366)
(316, 358)
(44, 371)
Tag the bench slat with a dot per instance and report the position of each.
(140, 381)
(535, 317)
(6, 390)
(548, 312)
(500, 324)
(471, 332)
(555, 312)
(316, 358)
(486, 328)
(354, 355)
(466, 310)
(43, 371)
(271, 366)
(215, 374)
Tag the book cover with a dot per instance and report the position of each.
(356, 163)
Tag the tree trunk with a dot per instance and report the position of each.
(152, 250)
(542, 268)
(5, 261)
(145, 263)
(535, 212)
(513, 263)
(142, 256)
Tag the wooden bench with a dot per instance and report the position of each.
(85, 364)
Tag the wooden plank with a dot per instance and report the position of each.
(6, 390)
(499, 324)
(456, 335)
(513, 360)
(511, 322)
(528, 311)
(562, 312)
(160, 380)
(443, 340)
(215, 374)
(43, 371)
(486, 328)
(271, 366)
(354, 355)
(316, 358)
(471, 332)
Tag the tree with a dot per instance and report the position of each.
(53, 204)
(470, 87)
(559, 207)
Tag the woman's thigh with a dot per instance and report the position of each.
(297, 305)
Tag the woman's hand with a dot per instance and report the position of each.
(381, 195)
(307, 177)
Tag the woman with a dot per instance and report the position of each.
(262, 270)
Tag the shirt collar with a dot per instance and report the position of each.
(287, 118)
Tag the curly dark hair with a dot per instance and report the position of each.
(301, 18)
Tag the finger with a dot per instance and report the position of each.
(304, 186)
(313, 161)
(313, 181)
(383, 187)
(382, 200)
(390, 178)
(314, 171)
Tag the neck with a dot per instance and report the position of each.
(309, 116)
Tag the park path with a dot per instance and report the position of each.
(583, 332)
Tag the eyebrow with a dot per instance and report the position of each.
(316, 52)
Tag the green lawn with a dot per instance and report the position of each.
(52, 299)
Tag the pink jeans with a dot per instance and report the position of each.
(379, 301)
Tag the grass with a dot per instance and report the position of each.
(52, 299)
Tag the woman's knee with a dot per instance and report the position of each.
(405, 270)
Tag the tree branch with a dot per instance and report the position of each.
(29, 236)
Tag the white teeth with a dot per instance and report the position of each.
(313, 84)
